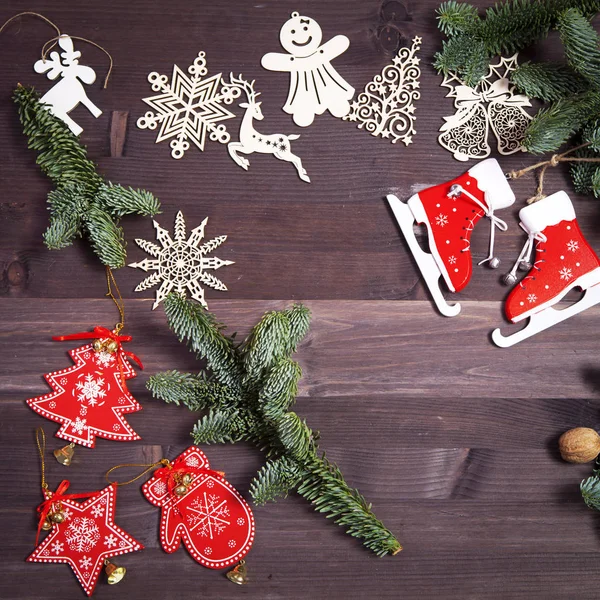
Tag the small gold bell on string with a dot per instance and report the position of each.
(57, 517)
(111, 346)
(239, 573)
(180, 490)
(98, 345)
(46, 525)
(115, 574)
(187, 479)
(65, 455)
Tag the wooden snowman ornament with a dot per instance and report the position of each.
(315, 86)
(69, 92)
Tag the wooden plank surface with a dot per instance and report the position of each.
(451, 439)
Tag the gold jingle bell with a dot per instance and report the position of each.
(111, 346)
(239, 573)
(98, 345)
(46, 525)
(180, 490)
(57, 517)
(65, 455)
(187, 479)
(115, 574)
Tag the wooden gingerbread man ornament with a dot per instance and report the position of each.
(315, 86)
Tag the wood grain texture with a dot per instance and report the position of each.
(451, 439)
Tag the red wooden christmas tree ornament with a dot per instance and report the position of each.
(83, 534)
(90, 398)
(201, 508)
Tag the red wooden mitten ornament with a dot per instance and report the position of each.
(90, 398)
(83, 534)
(201, 508)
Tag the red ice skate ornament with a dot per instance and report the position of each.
(85, 535)
(563, 261)
(90, 398)
(450, 212)
(201, 508)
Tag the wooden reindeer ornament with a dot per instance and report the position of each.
(252, 141)
(69, 92)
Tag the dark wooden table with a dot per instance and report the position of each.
(451, 439)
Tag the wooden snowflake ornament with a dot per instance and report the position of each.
(86, 537)
(90, 398)
(387, 106)
(492, 103)
(69, 92)
(180, 264)
(200, 507)
(188, 107)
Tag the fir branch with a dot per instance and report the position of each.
(220, 426)
(584, 173)
(295, 436)
(276, 479)
(548, 81)
(194, 391)
(280, 389)
(590, 490)
(581, 44)
(299, 319)
(324, 485)
(553, 126)
(82, 205)
(464, 55)
(456, 17)
(591, 135)
(204, 335)
(119, 201)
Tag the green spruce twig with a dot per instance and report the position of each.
(83, 203)
(248, 397)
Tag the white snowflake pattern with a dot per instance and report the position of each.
(208, 550)
(116, 427)
(441, 220)
(122, 400)
(180, 263)
(573, 246)
(52, 404)
(67, 513)
(210, 484)
(85, 563)
(57, 547)
(79, 425)
(232, 543)
(565, 273)
(188, 107)
(82, 534)
(110, 540)
(241, 521)
(531, 298)
(97, 510)
(209, 515)
(160, 488)
(452, 260)
(63, 381)
(104, 359)
(192, 461)
(83, 410)
(91, 389)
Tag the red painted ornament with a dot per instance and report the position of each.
(87, 535)
(90, 398)
(201, 508)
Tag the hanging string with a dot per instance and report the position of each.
(119, 303)
(555, 159)
(34, 14)
(46, 48)
(163, 461)
(40, 439)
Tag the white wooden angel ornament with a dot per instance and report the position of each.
(315, 86)
(277, 144)
(69, 92)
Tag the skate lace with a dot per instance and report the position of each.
(488, 211)
(525, 255)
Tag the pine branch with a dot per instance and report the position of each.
(299, 320)
(276, 479)
(78, 207)
(194, 391)
(553, 126)
(465, 55)
(456, 17)
(590, 490)
(325, 487)
(204, 335)
(295, 436)
(583, 173)
(280, 389)
(220, 426)
(591, 135)
(581, 44)
(548, 81)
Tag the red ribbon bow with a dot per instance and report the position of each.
(56, 498)
(103, 333)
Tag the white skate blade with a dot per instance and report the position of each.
(430, 271)
(546, 318)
